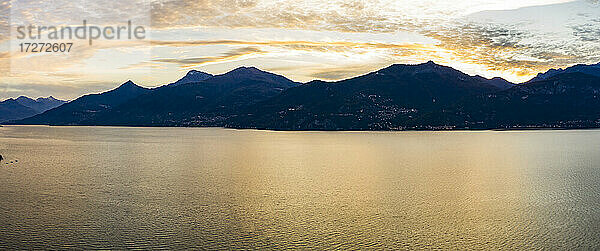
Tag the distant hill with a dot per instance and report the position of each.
(10, 109)
(593, 69)
(87, 107)
(23, 107)
(40, 104)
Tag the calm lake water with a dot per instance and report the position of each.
(115, 188)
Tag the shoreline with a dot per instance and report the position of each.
(332, 130)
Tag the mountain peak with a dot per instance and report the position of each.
(251, 75)
(192, 76)
(129, 82)
(246, 70)
(129, 85)
(429, 66)
(48, 99)
(24, 98)
(196, 72)
(426, 64)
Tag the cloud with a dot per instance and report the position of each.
(526, 41)
(338, 15)
(516, 40)
(307, 45)
(73, 12)
(4, 19)
(588, 32)
(231, 55)
(53, 62)
(341, 73)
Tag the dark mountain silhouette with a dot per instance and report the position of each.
(565, 100)
(192, 76)
(390, 98)
(10, 109)
(23, 107)
(209, 102)
(40, 104)
(501, 83)
(87, 107)
(593, 69)
(400, 97)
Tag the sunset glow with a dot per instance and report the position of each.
(303, 40)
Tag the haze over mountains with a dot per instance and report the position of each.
(400, 97)
(24, 107)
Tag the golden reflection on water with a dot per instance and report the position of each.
(108, 187)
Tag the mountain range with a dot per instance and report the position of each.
(88, 107)
(426, 96)
(593, 69)
(381, 100)
(24, 107)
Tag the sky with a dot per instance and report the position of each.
(300, 39)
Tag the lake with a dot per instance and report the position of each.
(212, 188)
